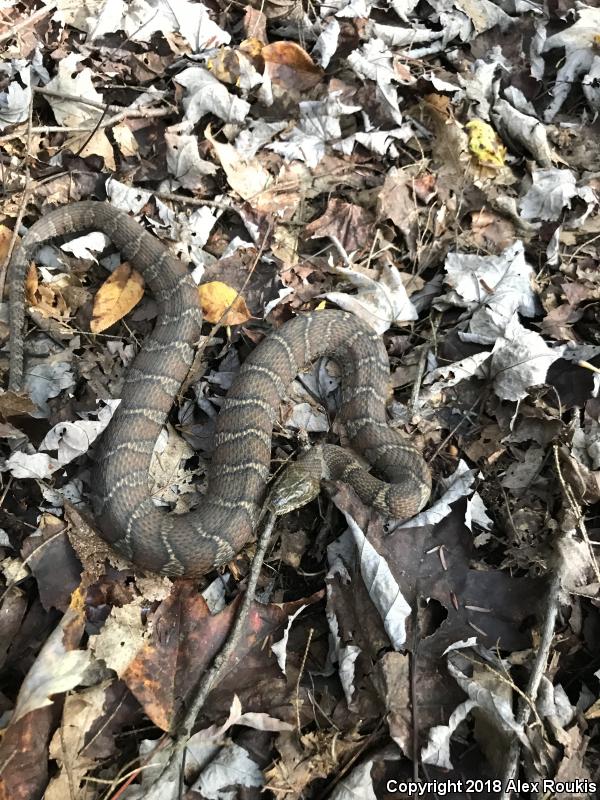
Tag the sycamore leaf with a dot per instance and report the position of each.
(215, 299)
(116, 297)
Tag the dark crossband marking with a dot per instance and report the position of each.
(131, 481)
(271, 374)
(399, 445)
(275, 337)
(236, 402)
(350, 469)
(357, 391)
(152, 414)
(258, 433)
(353, 426)
(235, 469)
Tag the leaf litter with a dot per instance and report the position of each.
(430, 167)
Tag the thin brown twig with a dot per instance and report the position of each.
(195, 201)
(576, 510)
(15, 27)
(74, 98)
(414, 397)
(172, 769)
(218, 668)
(527, 703)
(445, 441)
(300, 673)
(22, 204)
(130, 113)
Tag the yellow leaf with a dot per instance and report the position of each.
(215, 299)
(485, 144)
(116, 297)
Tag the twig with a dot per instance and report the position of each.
(512, 757)
(172, 770)
(80, 99)
(128, 113)
(217, 669)
(576, 510)
(35, 17)
(445, 441)
(552, 604)
(414, 397)
(195, 201)
(300, 673)
(22, 204)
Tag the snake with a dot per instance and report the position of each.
(195, 542)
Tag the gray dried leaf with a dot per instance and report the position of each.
(380, 303)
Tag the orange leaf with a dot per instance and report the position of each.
(289, 65)
(116, 297)
(31, 284)
(5, 237)
(215, 299)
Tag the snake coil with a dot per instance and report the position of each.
(210, 535)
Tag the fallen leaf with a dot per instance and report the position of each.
(380, 303)
(216, 297)
(60, 666)
(116, 297)
(289, 66)
(347, 223)
(485, 144)
(246, 176)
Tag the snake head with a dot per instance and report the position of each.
(299, 483)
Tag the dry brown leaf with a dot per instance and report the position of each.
(216, 297)
(46, 298)
(96, 145)
(5, 237)
(289, 66)
(350, 224)
(13, 404)
(116, 297)
(246, 176)
(125, 139)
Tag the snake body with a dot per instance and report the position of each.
(195, 542)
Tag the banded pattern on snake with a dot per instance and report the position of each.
(193, 543)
